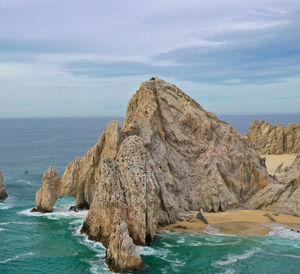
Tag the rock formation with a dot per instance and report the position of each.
(289, 172)
(270, 139)
(3, 193)
(170, 156)
(80, 177)
(283, 197)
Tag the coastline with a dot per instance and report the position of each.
(237, 222)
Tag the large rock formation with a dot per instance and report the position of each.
(270, 139)
(3, 193)
(171, 156)
(283, 197)
(81, 176)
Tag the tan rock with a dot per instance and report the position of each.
(81, 176)
(3, 193)
(170, 157)
(282, 198)
(270, 139)
(121, 254)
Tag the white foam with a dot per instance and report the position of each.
(234, 258)
(214, 231)
(4, 205)
(7, 203)
(213, 243)
(58, 213)
(229, 271)
(97, 268)
(2, 229)
(177, 262)
(181, 240)
(17, 223)
(145, 250)
(167, 245)
(285, 255)
(25, 182)
(16, 257)
(83, 239)
(283, 231)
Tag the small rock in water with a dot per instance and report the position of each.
(33, 210)
(73, 208)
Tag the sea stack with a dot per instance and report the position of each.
(3, 193)
(169, 157)
(270, 139)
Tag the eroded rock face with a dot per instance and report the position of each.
(282, 198)
(289, 172)
(3, 193)
(81, 176)
(121, 255)
(171, 156)
(270, 139)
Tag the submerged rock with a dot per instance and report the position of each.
(270, 139)
(170, 157)
(3, 193)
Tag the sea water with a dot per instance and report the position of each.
(51, 243)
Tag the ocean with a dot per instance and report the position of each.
(51, 243)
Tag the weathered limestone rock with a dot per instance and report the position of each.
(3, 193)
(170, 157)
(270, 139)
(283, 197)
(121, 255)
(80, 177)
(289, 172)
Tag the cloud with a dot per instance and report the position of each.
(61, 53)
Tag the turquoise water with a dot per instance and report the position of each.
(51, 243)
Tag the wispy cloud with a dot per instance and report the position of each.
(50, 50)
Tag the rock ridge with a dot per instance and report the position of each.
(270, 139)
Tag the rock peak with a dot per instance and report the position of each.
(170, 157)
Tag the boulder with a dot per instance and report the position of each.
(3, 193)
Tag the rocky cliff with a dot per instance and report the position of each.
(170, 156)
(3, 193)
(270, 139)
(283, 197)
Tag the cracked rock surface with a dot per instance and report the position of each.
(169, 157)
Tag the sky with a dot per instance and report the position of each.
(61, 58)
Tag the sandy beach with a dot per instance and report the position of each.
(240, 222)
(273, 161)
